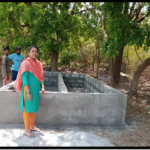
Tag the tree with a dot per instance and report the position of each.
(124, 22)
(136, 76)
(92, 27)
(46, 25)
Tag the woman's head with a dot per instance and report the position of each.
(33, 52)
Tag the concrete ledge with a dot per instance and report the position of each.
(61, 84)
(5, 88)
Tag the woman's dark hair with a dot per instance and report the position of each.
(32, 47)
(6, 47)
(18, 47)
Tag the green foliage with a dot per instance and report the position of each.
(50, 25)
(123, 30)
(149, 108)
(41, 24)
(67, 58)
(132, 58)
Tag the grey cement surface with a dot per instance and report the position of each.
(51, 88)
(69, 108)
(79, 90)
(62, 87)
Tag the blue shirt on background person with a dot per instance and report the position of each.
(17, 59)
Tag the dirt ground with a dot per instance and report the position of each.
(137, 131)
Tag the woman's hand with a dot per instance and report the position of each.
(43, 92)
(29, 96)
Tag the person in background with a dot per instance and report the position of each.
(28, 83)
(6, 71)
(17, 59)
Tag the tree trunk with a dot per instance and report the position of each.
(111, 83)
(61, 55)
(93, 61)
(98, 62)
(54, 60)
(93, 65)
(55, 54)
(117, 67)
(111, 69)
(87, 67)
(104, 21)
(136, 76)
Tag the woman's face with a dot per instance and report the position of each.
(33, 53)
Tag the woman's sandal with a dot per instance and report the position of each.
(35, 129)
(29, 134)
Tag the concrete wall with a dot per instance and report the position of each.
(95, 86)
(51, 81)
(68, 108)
(91, 84)
(73, 80)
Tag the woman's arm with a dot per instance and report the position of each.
(26, 84)
(42, 84)
(43, 90)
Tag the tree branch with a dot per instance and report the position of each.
(141, 19)
(28, 3)
(104, 21)
(137, 54)
(42, 43)
(73, 9)
(24, 25)
(84, 10)
(27, 32)
(126, 7)
(132, 7)
(138, 11)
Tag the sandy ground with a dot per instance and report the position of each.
(12, 135)
(131, 135)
